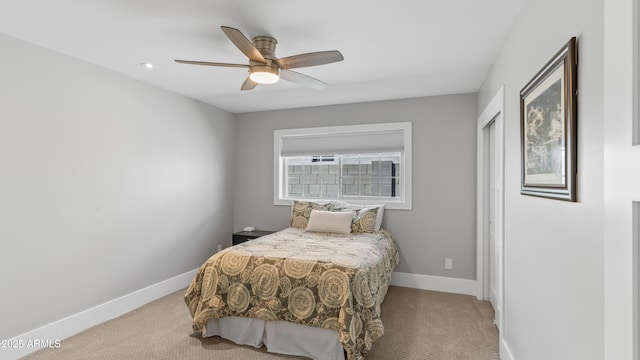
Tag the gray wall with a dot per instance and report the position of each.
(442, 222)
(108, 185)
(553, 251)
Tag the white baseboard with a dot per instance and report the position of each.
(435, 283)
(50, 334)
(505, 351)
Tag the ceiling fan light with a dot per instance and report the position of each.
(264, 75)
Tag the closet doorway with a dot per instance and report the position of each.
(490, 207)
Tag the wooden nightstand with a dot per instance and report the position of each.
(243, 236)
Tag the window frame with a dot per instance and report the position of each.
(403, 202)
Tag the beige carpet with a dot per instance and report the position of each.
(419, 325)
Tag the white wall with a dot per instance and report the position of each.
(622, 176)
(107, 185)
(553, 249)
(442, 222)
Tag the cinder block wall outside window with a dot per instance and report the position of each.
(323, 180)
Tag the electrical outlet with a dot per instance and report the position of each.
(219, 247)
(448, 263)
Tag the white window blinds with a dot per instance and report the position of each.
(343, 142)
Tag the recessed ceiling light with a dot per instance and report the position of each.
(147, 65)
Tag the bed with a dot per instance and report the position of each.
(299, 292)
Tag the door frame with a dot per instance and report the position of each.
(493, 114)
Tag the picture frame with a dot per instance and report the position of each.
(548, 124)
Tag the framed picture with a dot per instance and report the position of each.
(548, 120)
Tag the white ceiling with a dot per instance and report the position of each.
(392, 49)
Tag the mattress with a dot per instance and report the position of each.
(327, 281)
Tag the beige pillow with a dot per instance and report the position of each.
(330, 222)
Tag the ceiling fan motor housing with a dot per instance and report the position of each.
(267, 47)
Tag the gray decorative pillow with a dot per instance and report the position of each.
(364, 220)
(340, 206)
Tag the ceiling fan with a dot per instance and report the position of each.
(265, 68)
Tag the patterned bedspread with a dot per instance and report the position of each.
(331, 281)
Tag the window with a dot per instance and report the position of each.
(350, 175)
(363, 164)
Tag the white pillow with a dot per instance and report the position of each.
(330, 222)
(343, 205)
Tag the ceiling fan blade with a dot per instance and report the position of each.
(301, 79)
(310, 59)
(248, 84)
(210, 63)
(245, 45)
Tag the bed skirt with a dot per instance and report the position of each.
(278, 337)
